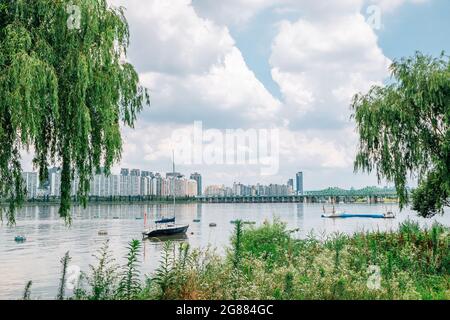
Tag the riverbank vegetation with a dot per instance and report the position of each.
(404, 130)
(66, 90)
(267, 262)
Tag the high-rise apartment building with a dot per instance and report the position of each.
(198, 178)
(299, 183)
(135, 172)
(31, 183)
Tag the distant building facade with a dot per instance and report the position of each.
(198, 178)
(54, 177)
(290, 185)
(218, 191)
(241, 190)
(31, 182)
(299, 183)
(135, 172)
(132, 183)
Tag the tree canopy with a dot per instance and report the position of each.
(404, 131)
(65, 90)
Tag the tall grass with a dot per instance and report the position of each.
(27, 291)
(130, 285)
(267, 262)
(102, 278)
(62, 283)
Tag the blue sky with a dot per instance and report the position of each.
(423, 27)
(289, 67)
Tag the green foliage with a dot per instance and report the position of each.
(337, 244)
(269, 242)
(237, 253)
(62, 282)
(404, 130)
(432, 194)
(288, 285)
(63, 92)
(237, 244)
(130, 283)
(414, 263)
(164, 274)
(103, 277)
(409, 229)
(27, 291)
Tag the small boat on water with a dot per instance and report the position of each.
(167, 230)
(358, 215)
(165, 226)
(180, 237)
(20, 239)
(343, 214)
(166, 220)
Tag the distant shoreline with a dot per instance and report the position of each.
(55, 202)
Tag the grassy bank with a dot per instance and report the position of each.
(268, 263)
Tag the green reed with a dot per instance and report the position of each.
(269, 262)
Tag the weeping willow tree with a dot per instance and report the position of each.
(404, 131)
(65, 89)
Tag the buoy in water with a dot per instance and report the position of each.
(20, 239)
(213, 224)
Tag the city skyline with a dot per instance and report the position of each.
(137, 182)
(262, 65)
(129, 183)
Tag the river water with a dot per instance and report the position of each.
(38, 258)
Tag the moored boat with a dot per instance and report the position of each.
(165, 226)
(166, 220)
(355, 215)
(343, 214)
(168, 230)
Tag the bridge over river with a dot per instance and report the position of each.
(330, 195)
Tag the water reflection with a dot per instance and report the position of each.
(198, 216)
(48, 238)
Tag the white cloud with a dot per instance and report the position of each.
(188, 59)
(191, 65)
(241, 12)
(169, 37)
(306, 149)
(320, 64)
(232, 12)
(229, 89)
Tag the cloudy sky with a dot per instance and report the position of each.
(289, 65)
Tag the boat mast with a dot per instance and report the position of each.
(173, 181)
